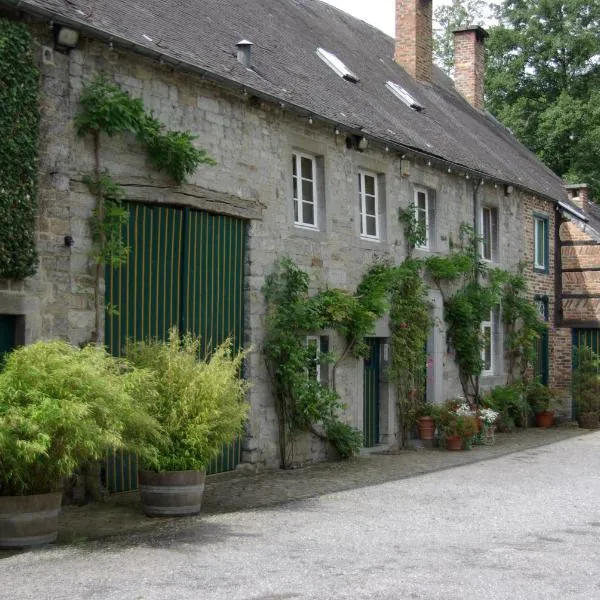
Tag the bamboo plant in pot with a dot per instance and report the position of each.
(61, 407)
(200, 406)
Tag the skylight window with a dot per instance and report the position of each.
(337, 65)
(403, 95)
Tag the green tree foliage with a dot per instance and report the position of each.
(19, 127)
(448, 18)
(542, 81)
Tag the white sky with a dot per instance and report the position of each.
(379, 13)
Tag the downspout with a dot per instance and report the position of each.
(558, 309)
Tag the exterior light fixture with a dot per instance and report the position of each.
(66, 37)
(310, 121)
(363, 144)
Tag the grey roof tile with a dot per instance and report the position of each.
(286, 35)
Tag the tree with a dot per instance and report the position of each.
(542, 81)
(448, 17)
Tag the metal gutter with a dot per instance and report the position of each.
(167, 59)
(572, 210)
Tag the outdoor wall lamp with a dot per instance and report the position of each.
(66, 37)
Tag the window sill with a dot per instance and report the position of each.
(541, 270)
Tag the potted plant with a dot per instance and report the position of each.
(200, 404)
(61, 406)
(426, 421)
(458, 424)
(539, 398)
(586, 388)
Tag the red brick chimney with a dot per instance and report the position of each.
(579, 195)
(469, 64)
(414, 42)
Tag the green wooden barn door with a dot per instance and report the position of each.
(185, 269)
(371, 393)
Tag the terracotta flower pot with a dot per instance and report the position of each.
(454, 442)
(544, 419)
(426, 428)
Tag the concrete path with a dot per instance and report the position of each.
(525, 525)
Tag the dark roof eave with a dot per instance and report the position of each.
(226, 82)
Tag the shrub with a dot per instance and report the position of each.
(199, 403)
(60, 407)
(539, 396)
(347, 440)
(586, 381)
(510, 402)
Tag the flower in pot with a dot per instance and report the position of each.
(458, 424)
(586, 388)
(426, 421)
(200, 405)
(539, 398)
(60, 407)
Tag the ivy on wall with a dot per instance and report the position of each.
(19, 130)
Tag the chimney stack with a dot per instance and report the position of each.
(469, 64)
(579, 195)
(414, 38)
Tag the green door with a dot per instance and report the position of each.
(8, 327)
(371, 393)
(185, 269)
(541, 361)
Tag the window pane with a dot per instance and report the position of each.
(296, 218)
(421, 201)
(308, 213)
(370, 185)
(487, 348)
(307, 168)
(370, 205)
(360, 179)
(422, 218)
(540, 243)
(294, 164)
(307, 191)
(372, 226)
(295, 184)
(487, 234)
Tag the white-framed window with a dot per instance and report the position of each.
(422, 202)
(368, 199)
(540, 249)
(306, 201)
(487, 349)
(313, 345)
(489, 233)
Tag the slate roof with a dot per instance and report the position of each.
(202, 34)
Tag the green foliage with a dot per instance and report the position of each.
(586, 381)
(200, 404)
(523, 326)
(415, 231)
(61, 406)
(108, 109)
(510, 402)
(451, 424)
(448, 18)
(410, 325)
(539, 396)
(109, 246)
(292, 315)
(542, 81)
(19, 131)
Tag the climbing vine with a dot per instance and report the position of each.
(304, 402)
(106, 109)
(19, 130)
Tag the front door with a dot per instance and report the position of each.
(371, 393)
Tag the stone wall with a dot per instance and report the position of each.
(252, 143)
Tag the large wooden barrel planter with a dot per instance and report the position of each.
(171, 493)
(29, 520)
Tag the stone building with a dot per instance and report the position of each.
(322, 127)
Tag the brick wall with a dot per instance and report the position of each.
(469, 64)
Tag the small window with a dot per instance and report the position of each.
(304, 179)
(317, 346)
(487, 348)
(403, 95)
(423, 214)
(368, 201)
(540, 250)
(337, 65)
(489, 234)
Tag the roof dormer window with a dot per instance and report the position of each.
(337, 65)
(403, 95)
